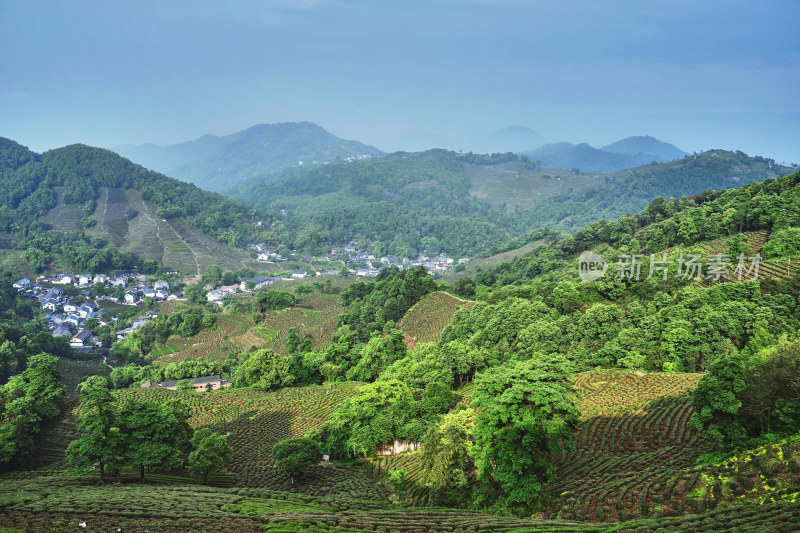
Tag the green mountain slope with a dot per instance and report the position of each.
(217, 163)
(465, 204)
(107, 212)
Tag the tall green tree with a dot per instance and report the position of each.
(446, 457)
(100, 439)
(154, 435)
(28, 399)
(526, 413)
(716, 403)
(264, 370)
(295, 456)
(210, 453)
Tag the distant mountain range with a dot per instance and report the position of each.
(626, 153)
(513, 139)
(218, 163)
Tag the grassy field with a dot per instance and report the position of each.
(427, 319)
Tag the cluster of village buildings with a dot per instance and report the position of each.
(66, 318)
(361, 263)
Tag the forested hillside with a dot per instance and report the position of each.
(96, 198)
(464, 204)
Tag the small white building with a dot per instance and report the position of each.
(131, 295)
(81, 339)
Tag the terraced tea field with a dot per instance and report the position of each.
(74, 372)
(253, 422)
(633, 470)
(215, 344)
(63, 217)
(316, 315)
(60, 503)
(633, 448)
(110, 216)
(427, 319)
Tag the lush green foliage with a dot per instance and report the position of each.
(716, 403)
(28, 399)
(99, 441)
(381, 413)
(125, 376)
(264, 370)
(405, 203)
(139, 434)
(447, 458)
(750, 397)
(526, 414)
(294, 456)
(210, 453)
(138, 344)
(386, 300)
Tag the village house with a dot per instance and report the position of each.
(85, 310)
(392, 449)
(72, 320)
(60, 331)
(51, 304)
(131, 295)
(65, 279)
(299, 274)
(218, 295)
(120, 281)
(205, 383)
(258, 281)
(22, 284)
(81, 339)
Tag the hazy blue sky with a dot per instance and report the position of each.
(404, 75)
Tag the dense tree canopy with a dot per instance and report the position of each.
(526, 413)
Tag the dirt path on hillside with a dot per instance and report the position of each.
(194, 254)
(158, 236)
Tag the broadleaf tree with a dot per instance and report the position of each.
(210, 453)
(526, 413)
